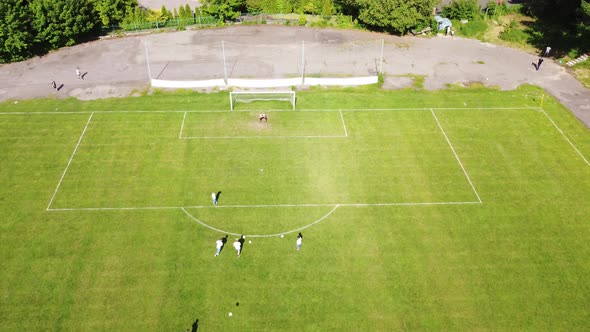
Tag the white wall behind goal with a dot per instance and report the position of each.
(224, 64)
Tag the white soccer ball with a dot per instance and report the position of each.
(261, 169)
(250, 241)
(230, 314)
(282, 235)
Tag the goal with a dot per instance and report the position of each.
(249, 96)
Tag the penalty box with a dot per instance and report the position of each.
(134, 160)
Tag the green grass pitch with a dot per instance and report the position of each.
(463, 209)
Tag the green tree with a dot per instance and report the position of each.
(112, 12)
(398, 16)
(16, 34)
(137, 15)
(554, 10)
(584, 26)
(347, 7)
(310, 7)
(60, 23)
(462, 10)
(585, 9)
(224, 10)
(166, 14)
(327, 8)
(188, 13)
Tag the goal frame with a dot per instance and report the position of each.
(292, 98)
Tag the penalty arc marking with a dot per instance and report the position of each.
(261, 235)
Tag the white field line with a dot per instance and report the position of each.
(69, 161)
(343, 124)
(262, 235)
(456, 156)
(460, 108)
(564, 136)
(260, 206)
(319, 205)
(47, 113)
(118, 208)
(182, 126)
(265, 137)
(259, 137)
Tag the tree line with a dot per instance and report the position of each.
(31, 27)
(34, 27)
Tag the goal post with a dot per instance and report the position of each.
(250, 96)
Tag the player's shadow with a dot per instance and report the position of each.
(224, 241)
(60, 87)
(241, 240)
(84, 75)
(535, 65)
(218, 195)
(195, 326)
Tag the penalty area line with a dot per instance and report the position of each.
(320, 205)
(258, 206)
(69, 161)
(182, 126)
(565, 137)
(343, 124)
(456, 156)
(260, 137)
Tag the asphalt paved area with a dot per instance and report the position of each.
(117, 66)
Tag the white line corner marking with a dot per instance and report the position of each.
(456, 156)
(567, 139)
(69, 161)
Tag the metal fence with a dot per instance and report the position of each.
(196, 20)
(247, 18)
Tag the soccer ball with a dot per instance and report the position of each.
(250, 241)
(230, 314)
(282, 235)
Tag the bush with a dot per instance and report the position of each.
(574, 53)
(472, 28)
(514, 35)
(493, 9)
(425, 24)
(302, 19)
(343, 21)
(462, 10)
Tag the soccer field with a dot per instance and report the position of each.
(461, 209)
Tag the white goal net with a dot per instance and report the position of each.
(250, 96)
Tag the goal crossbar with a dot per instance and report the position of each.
(249, 96)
